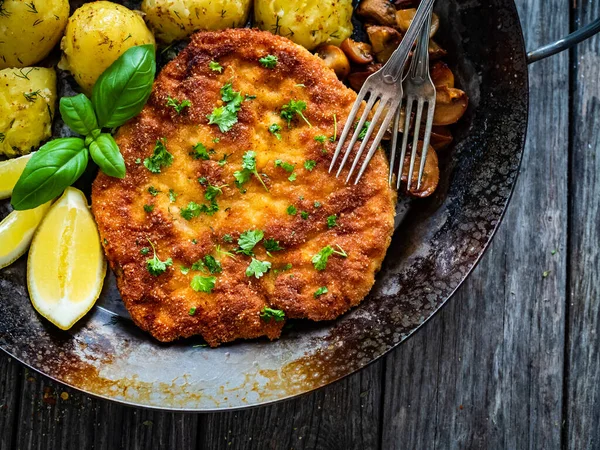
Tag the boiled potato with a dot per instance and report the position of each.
(29, 30)
(96, 35)
(177, 19)
(307, 22)
(27, 105)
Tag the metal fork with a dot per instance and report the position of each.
(417, 87)
(384, 85)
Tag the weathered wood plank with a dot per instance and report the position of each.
(582, 415)
(488, 371)
(10, 374)
(345, 416)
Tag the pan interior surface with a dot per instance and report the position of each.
(436, 244)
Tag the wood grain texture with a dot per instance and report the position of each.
(345, 415)
(583, 348)
(10, 374)
(487, 372)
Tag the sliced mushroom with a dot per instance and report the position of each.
(357, 52)
(378, 11)
(384, 41)
(450, 105)
(441, 75)
(357, 79)
(405, 16)
(335, 59)
(431, 172)
(440, 137)
(435, 51)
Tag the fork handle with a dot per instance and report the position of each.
(392, 70)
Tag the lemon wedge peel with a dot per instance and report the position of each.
(66, 265)
(16, 232)
(10, 171)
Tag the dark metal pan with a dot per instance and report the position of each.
(437, 243)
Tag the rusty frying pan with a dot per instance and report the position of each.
(437, 243)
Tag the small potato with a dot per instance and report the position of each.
(30, 30)
(309, 23)
(27, 106)
(177, 19)
(96, 35)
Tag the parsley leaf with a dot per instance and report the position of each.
(322, 290)
(294, 107)
(304, 215)
(248, 240)
(274, 130)
(271, 245)
(227, 238)
(212, 264)
(226, 116)
(320, 138)
(363, 131)
(148, 208)
(248, 168)
(309, 164)
(288, 167)
(203, 284)
(153, 191)
(200, 152)
(213, 191)
(144, 251)
(160, 158)
(292, 210)
(223, 161)
(320, 259)
(184, 270)
(257, 268)
(155, 266)
(192, 311)
(332, 221)
(317, 204)
(268, 313)
(190, 211)
(215, 66)
(269, 61)
(177, 105)
(293, 176)
(172, 196)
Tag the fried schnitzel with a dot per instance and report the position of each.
(228, 222)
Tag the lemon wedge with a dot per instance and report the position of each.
(16, 232)
(66, 266)
(10, 171)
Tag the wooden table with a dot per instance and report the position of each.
(513, 361)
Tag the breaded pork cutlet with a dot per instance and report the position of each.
(247, 225)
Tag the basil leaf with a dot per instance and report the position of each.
(78, 113)
(123, 89)
(105, 152)
(54, 167)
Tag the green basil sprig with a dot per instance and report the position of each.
(119, 94)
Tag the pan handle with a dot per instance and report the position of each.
(572, 39)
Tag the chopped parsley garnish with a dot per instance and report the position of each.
(321, 258)
(269, 61)
(226, 116)
(248, 168)
(317, 204)
(203, 284)
(198, 266)
(212, 264)
(320, 138)
(213, 191)
(257, 268)
(203, 181)
(138, 160)
(322, 290)
(271, 245)
(294, 107)
(160, 158)
(332, 221)
(223, 161)
(275, 131)
(309, 164)
(269, 313)
(363, 131)
(184, 270)
(292, 177)
(192, 311)
(248, 240)
(334, 137)
(288, 266)
(292, 210)
(178, 105)
(192, 210)
(304, 215)
(288, 167)
(148, 208)
(31, 96)
(153, 191)
(145, 250)
(200, 152)
(155, 266)
(216, 140)
(172, 195)
(227, 238)
(215, 66)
